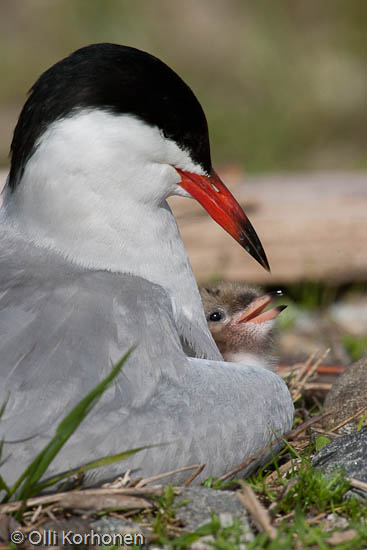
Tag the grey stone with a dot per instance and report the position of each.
(347, 396)
(351, 316)
(349, 452)
(194, 507)
(202, 502)
(333, 521)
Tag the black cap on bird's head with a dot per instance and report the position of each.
(124, 80)
(118, 79)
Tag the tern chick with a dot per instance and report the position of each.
(242, 330)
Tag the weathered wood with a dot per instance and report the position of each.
(127, 498)
(312, 226)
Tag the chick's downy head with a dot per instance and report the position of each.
(242, 330)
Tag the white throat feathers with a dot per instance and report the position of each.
(95, 191)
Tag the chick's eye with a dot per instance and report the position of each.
(216, 316)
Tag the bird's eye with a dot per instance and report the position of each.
(216, 316)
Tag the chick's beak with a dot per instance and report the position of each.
(221, 205)
(254, 313)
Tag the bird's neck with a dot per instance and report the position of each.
(94, 190)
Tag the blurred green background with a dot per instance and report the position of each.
(283, 83)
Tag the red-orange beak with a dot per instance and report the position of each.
(255, 313)
(221, 205)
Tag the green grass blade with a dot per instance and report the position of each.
(105, 461)
(3, 485)
(65, 429)
(3, 406)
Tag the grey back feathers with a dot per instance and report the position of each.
(62, 328)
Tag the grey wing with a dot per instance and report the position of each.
(62, 329)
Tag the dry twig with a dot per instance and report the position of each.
(317, 386)
(357, 483)
(243, 465)
(191, 478)
(92, 499)
(304, 375)
(293, 434)
(257, 511)
(331, 435)
(283, 469)
(146, 480)
(349, 419)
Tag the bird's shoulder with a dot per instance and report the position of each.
(50, 308)
(30, 273)
(63, 327)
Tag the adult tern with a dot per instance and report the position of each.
(92, 263)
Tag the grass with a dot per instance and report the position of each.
(298, 499)
(303, 493)
(29, 482)
(313, 492)
(302, 536)
(356, 346)
(165, 512)
(304, 489)
(222, 537)
(300, 502)
(299, 536)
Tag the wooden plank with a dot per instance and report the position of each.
(312, 226)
